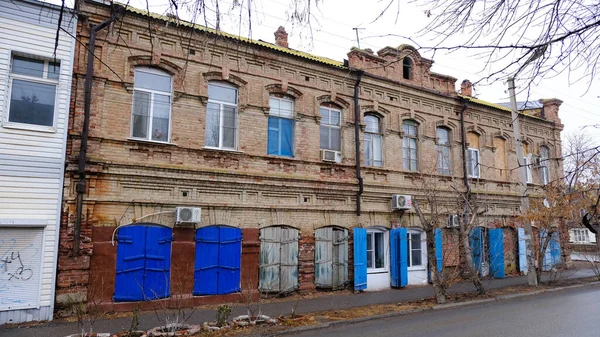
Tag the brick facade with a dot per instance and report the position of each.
(129, 179)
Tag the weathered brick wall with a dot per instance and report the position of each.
(306, 260)
(129, 179)
(511, 252)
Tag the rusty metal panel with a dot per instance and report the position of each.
(340, 258)
(278, 259)
(289, 259)
(323, 257)
(269, 259)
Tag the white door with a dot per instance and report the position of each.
(417, 257)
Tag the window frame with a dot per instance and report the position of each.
(545, 164)
(423, 249)
(291, 118)
(152, 71)
(472, 167)
(581, 236)
(527, 164)
(444, 147)
(221, 105)
(331, 126)
(40, 80)
(385, 238)
(372, 135)
(409, 137)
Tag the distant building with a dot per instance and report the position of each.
(35, 86)
(218, 164)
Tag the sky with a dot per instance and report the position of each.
(331, 34)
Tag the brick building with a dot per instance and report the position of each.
(261, 137)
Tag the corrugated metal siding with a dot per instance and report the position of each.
(278, 259)
(31, 162)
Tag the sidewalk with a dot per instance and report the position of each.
(345, 300)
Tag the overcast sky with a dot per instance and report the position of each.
(332, 35)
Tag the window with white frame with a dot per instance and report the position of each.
(545, 164)
(373, 141)
(473, 167)
(376, 245)
(331, 136)
(443, 149)
(151, 115)
(221, 116)
(581, 236)
(33, 84)
(409, 145)
(527, 164)
(281, 127)
(415, 248)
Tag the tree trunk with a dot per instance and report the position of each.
(438, 287)
(466, 248)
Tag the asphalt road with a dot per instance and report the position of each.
(573, 312)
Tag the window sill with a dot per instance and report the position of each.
(419, 268)
(150, 141)
(29, 127)
(210, 148)
(274, 156)
(378, 271)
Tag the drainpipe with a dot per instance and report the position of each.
(463, 141)
(81, 184)
(359, 75)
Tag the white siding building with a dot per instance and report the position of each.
(35, 86)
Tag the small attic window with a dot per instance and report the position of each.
(407, 65)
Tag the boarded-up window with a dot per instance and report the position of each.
(331, 257)
(500, 157)
(473, 140)
(278, 259)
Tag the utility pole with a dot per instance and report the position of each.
(531, 270)
(357, 38)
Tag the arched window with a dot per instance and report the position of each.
(409, 145)
(151, 114)
(281, 127)
(545, 164)
(443, 149)
(373, 142)
(407, 65)
(221, 116)
(331, 133)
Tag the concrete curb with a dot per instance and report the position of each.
(302, 329)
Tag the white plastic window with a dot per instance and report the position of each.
(373, 142)
(221, 116)
(151, 115)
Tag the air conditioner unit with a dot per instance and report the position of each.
(400, 202)
(187, 214)
(453, 221)
(331, 156)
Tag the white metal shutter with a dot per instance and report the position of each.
(20, 267)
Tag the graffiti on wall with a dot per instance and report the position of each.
(20, 261)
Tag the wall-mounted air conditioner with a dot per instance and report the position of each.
(401, 202)
(331, 156)
(186, 214)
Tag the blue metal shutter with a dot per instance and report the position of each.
(395, 257)
(555, 251)
(273, 136)
(439, 250)
(287, 137)
(496, 242)
(360, 259)
(157, 278)
(475, 240)
(403, 238)
(207, 261)
(230, 254)
(131, 257)
(522, 250)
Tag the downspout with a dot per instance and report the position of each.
(463, 141)
(81, 184)
(359, 75)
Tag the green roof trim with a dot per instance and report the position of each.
(498, 106)
(205, 29)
